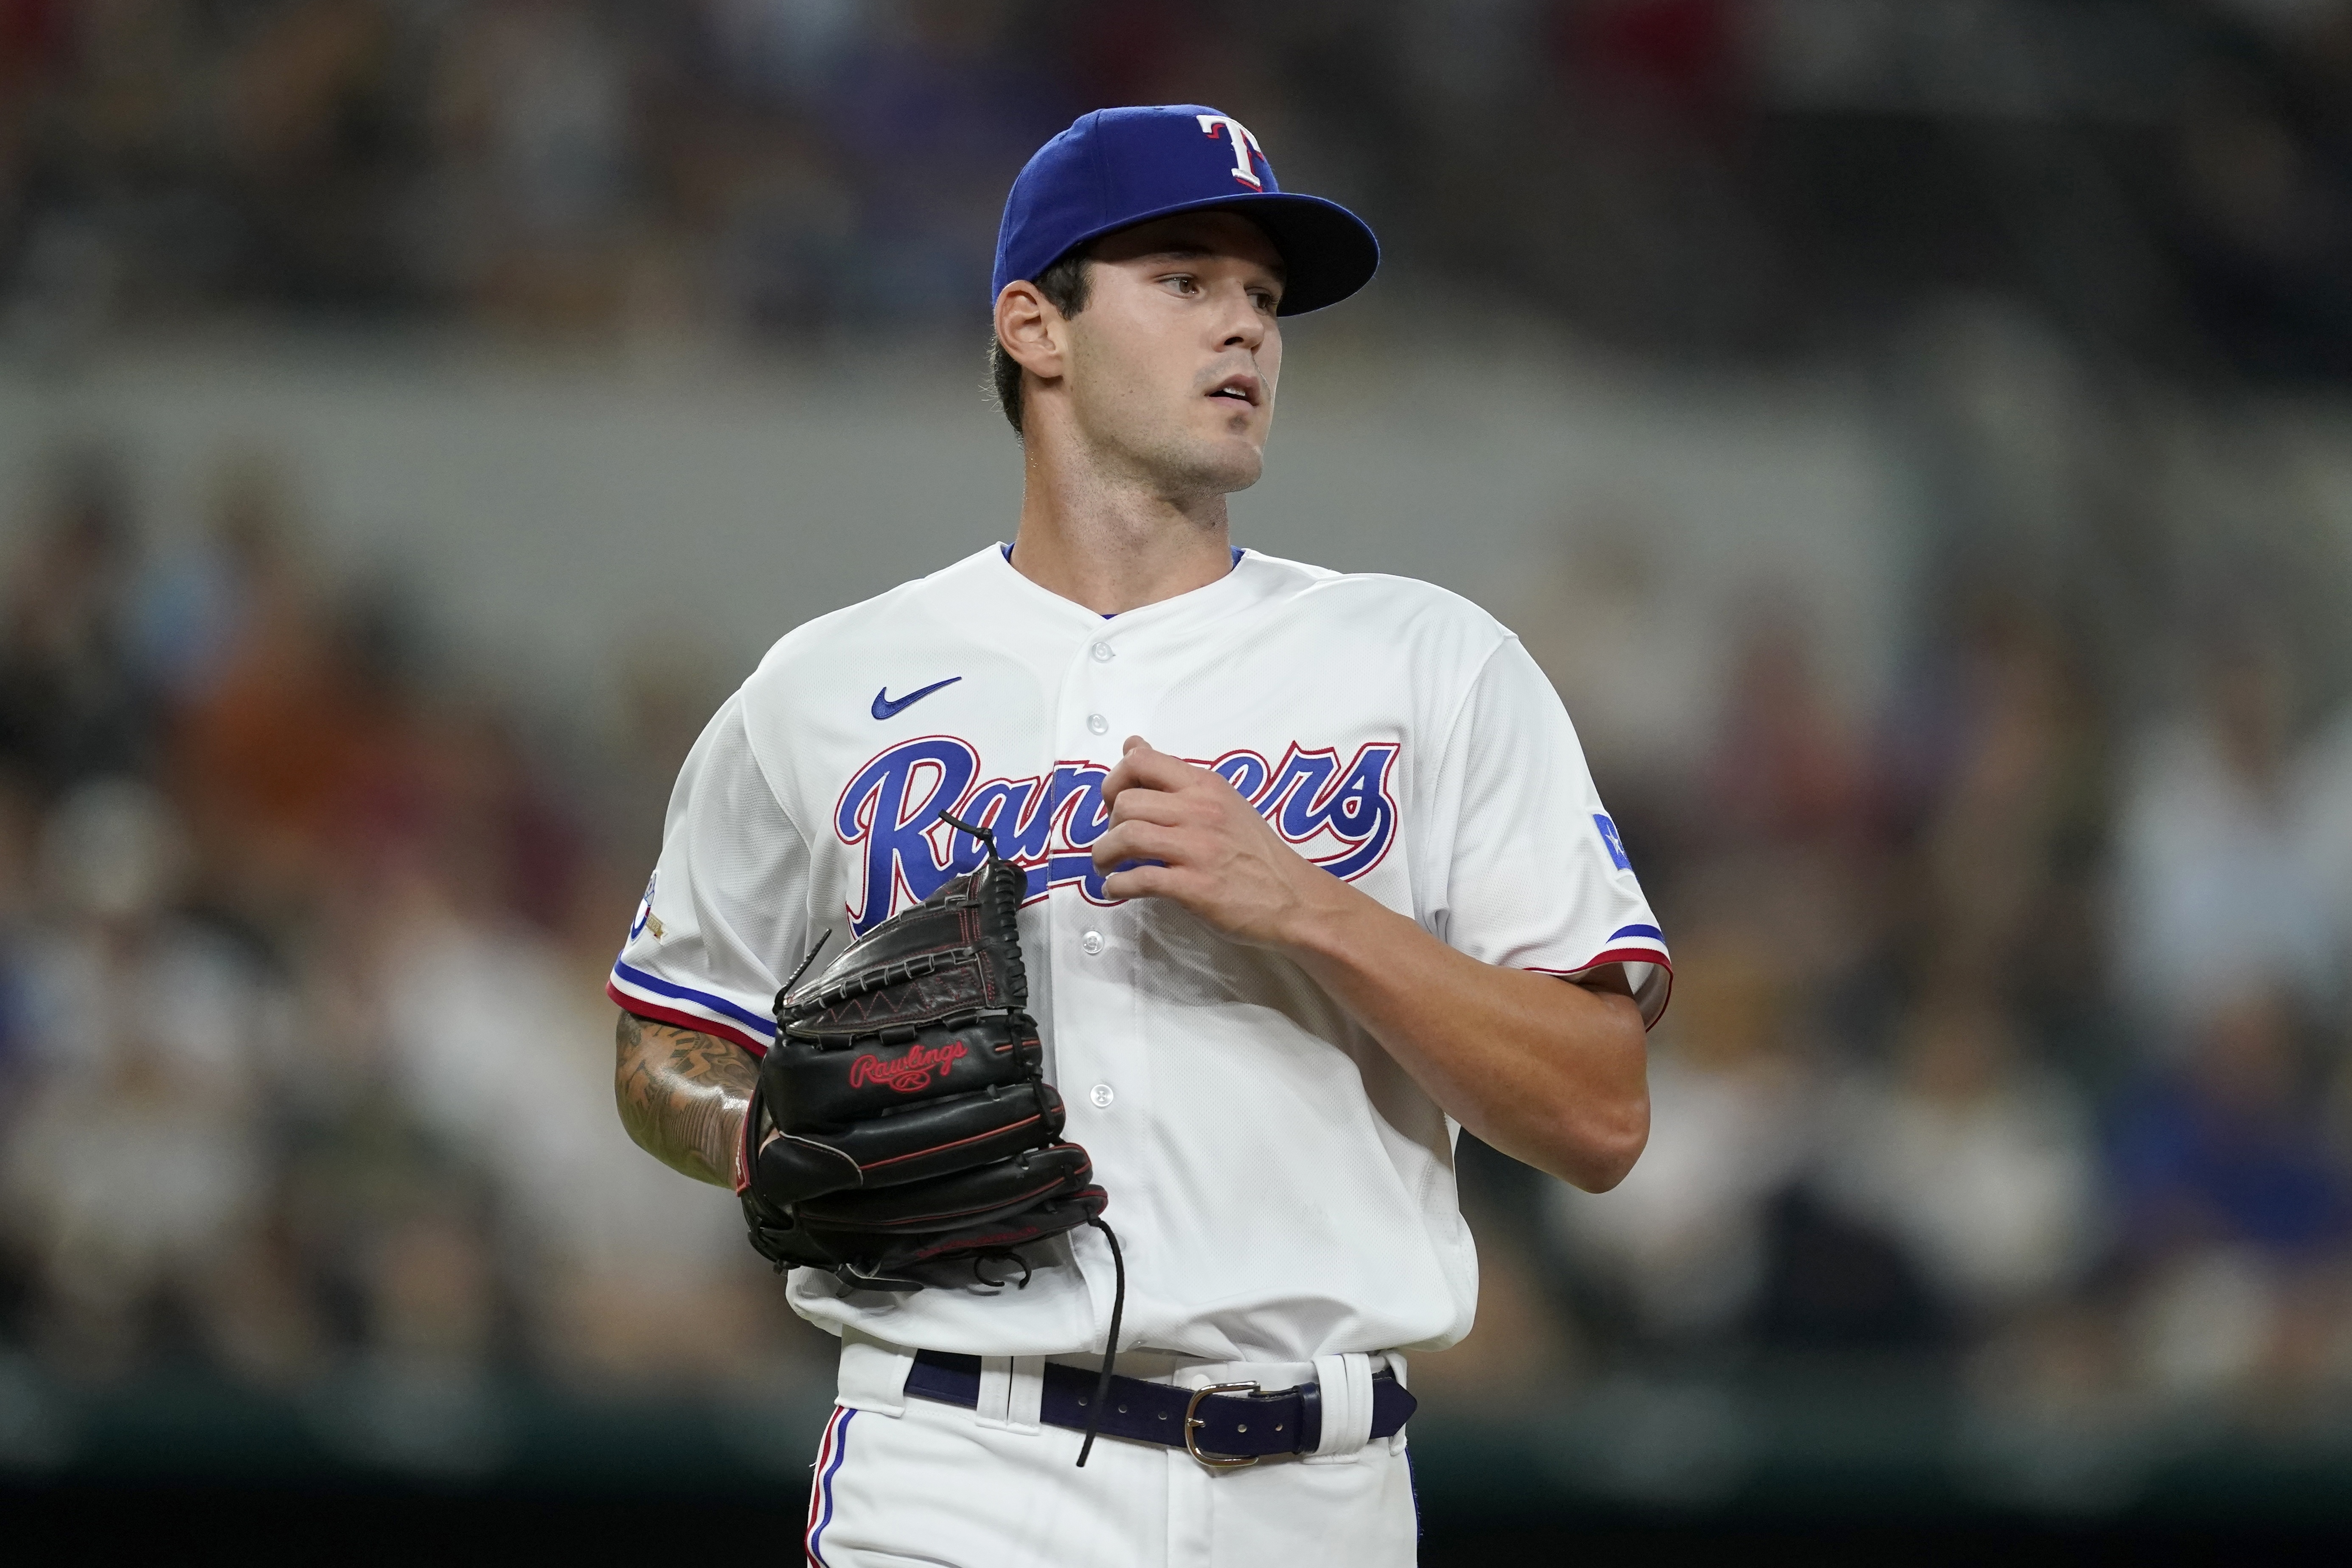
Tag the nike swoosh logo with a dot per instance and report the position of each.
(885, 708)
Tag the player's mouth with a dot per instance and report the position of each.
(1240, 388)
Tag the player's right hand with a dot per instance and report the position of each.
(1180, 832)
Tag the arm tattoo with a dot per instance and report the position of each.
(682, 1095)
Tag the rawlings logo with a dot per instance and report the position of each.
(1339, 815)
(908, 1073)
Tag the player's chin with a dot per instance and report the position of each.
(1229, 462)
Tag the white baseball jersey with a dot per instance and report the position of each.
(1283, 1190)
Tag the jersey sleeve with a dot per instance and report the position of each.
(725, 916)
(1535, 875)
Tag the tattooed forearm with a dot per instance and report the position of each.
(682, 1095)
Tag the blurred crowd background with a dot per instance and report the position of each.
(2009, 1065)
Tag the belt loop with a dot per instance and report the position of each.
(1395, 1359)
(1026, 1401)
(1346, 1387)
(1011, 1394)
(996, 1391)
(873, 1374)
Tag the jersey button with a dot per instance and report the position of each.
(1101, 1095)
(1098, 723)
(1102, 652)
(1092, 941)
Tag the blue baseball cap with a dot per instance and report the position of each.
(1118, 167)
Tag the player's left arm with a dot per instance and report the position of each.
(1550, 1072)
(682, 1095)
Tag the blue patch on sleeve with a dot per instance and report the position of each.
(1610, 840)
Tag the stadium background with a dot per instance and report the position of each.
(1913, 434)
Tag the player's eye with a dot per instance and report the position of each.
(1183, 282)
(1265, 299)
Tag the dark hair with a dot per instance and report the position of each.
(1064, 285)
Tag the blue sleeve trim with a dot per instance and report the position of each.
(661, 987)
(1653, 932)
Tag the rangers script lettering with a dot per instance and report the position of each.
(1342, 818)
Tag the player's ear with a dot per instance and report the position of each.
(1030, 329)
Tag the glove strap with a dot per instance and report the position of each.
(1111, 1341)
(745, 1153)
(747, 1149)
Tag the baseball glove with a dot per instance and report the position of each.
(916, 1141)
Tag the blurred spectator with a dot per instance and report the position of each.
(73, 704)
(1677, 1249)
(2237, 1204)
(2222, 851)
(2230, 1148)
(315, 158)
(198, 601)
(137, 1169)
(668, 690)
(502, 1046)
(1634, 663)
(19, 901)
(2323, 811)
(930, 124)
(1981, 1162)
(1835, 1282)
(1999, 769)
(295, 741)
(1787, 769)
(532, 108)
(1785, 827)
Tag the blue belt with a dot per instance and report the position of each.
(1224, 1426)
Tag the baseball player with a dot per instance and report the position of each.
(1218, 891)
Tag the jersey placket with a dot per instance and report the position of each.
(1105, 1080)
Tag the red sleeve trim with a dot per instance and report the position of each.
(1649, 955)
(684, 1020)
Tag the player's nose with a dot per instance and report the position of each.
(1239, 321)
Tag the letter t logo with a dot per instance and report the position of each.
(1243, 146)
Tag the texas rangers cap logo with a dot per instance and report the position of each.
(1246, 155)
(1118, 167)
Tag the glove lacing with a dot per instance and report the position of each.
(1111, 1341)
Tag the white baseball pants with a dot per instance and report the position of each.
(903, 1481)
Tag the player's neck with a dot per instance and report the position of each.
(1115, 546)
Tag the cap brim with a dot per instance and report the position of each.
(1327, 252)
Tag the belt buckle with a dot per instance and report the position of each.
(1192, 1423)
